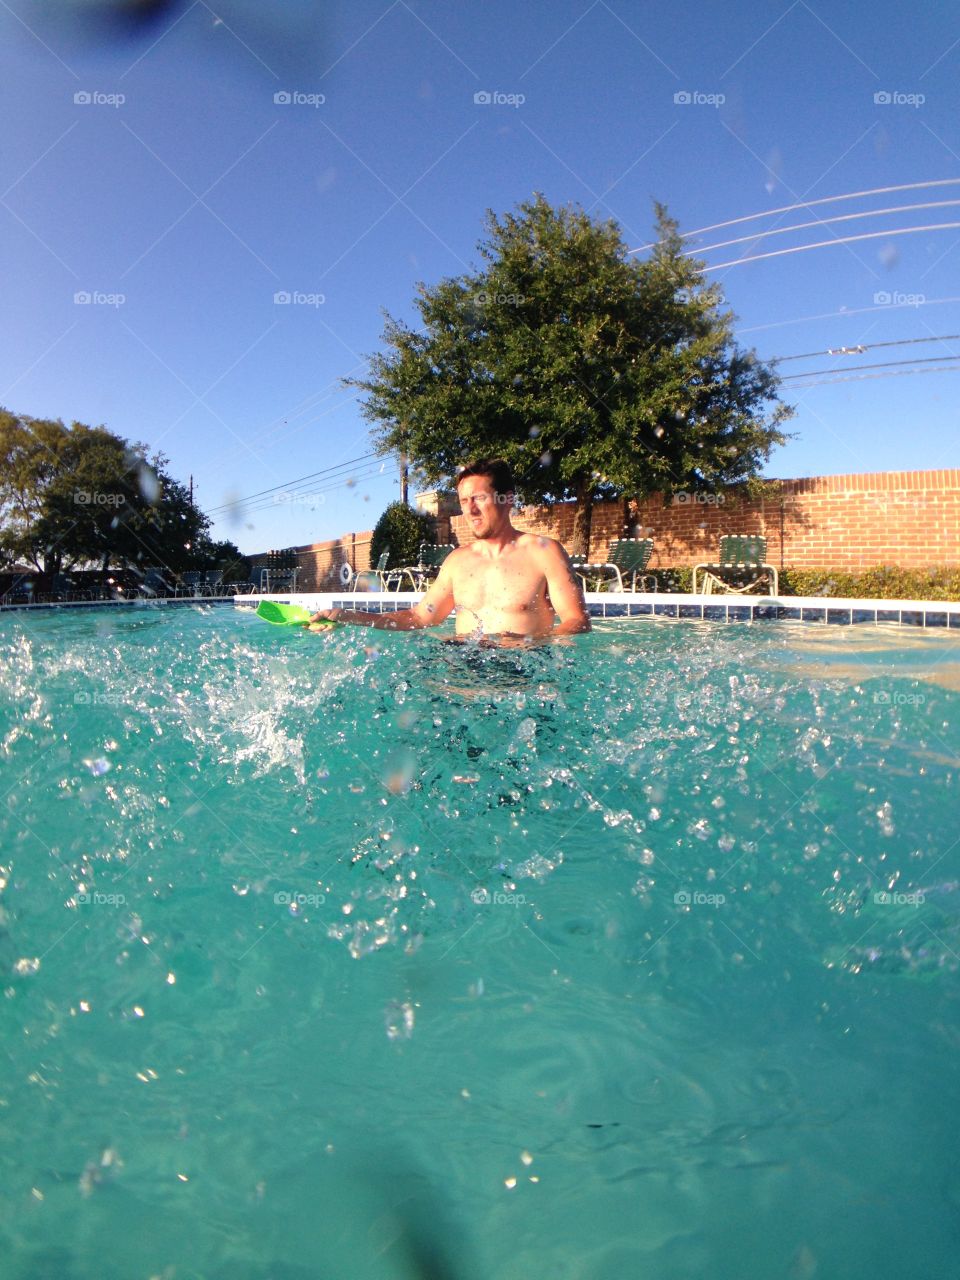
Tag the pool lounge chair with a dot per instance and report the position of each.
(741, 567)
(379, 572)
(432, 556)
(627, 556)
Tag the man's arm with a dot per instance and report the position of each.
(435, 606)
(566, 593)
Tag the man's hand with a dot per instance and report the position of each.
(322, 619)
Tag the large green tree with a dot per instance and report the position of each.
(82, 495)
(594, 373)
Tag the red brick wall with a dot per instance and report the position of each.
(905, 518)
(319, 563)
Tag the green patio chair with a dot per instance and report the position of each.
(431, 557)
(627, 555)
(741, 567)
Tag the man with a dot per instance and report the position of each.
(506, 585)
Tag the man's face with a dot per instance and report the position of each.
(487, 512)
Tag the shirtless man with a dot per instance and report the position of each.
(506, 585)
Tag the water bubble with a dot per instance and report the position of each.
(98, 767)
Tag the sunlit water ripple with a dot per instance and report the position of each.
(369, 954)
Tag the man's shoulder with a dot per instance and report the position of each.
(540, 543)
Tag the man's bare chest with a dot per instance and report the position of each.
(512, 583)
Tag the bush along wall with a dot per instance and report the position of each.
(883, 583)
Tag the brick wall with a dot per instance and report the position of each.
(905, 518)
(319, 563)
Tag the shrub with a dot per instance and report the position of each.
(401, 530)
(884, 582)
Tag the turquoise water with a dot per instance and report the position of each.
(368, 955)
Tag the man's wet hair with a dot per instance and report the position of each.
(493, 469)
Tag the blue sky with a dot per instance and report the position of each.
(183, 209)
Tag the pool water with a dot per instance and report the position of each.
(372, 955)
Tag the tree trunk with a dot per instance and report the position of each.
(582, 518)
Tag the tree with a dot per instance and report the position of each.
(79, 495)
(400, 530)
(594, 374)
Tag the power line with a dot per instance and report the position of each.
(889, 364)
(274, 503)
(860, 347)
(811, 204)
(820, 222)
(324, 471)
(821, 244)
(846, 314)
(866, 377)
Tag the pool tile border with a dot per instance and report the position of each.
(937, 615)
(813, 610)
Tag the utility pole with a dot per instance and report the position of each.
(403, 480)
(191, 490)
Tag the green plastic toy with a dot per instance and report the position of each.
(289, 615)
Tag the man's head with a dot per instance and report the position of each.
(485, 489)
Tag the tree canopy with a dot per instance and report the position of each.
(79, 495)
(595, 374)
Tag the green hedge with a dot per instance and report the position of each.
(885, 582)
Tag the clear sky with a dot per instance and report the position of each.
(185, 207)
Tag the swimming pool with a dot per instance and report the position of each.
(365, 954)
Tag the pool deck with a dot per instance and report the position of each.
(820, 610)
